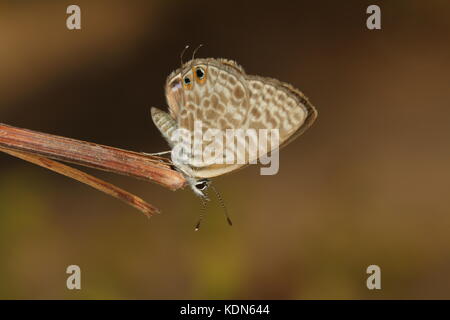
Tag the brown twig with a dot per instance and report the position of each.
(39, 148)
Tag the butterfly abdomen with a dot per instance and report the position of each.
(165, 123)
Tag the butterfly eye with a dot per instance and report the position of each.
(201, 185)
(187, 82)
(200, 74)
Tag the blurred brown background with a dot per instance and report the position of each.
(368, 184)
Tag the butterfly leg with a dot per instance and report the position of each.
(158, 153)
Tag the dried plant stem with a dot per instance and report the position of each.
(39, 148)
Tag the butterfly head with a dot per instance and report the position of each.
(200, 186)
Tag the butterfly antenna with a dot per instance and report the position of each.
(195, 51)
(182, 54)
(222, 204)
(202, 213)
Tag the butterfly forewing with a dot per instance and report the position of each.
(277, 105)
(218, 93)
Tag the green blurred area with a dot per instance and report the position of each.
(367, 184)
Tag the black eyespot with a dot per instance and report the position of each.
(201, 185)
(187, 80)
(200, 73)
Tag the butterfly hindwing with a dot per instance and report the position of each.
(219, 94)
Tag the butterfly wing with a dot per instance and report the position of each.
(278, 105)
(226, 98)
(219, 100)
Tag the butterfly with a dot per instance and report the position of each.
(222, 96)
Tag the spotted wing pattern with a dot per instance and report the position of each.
(227, 98)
